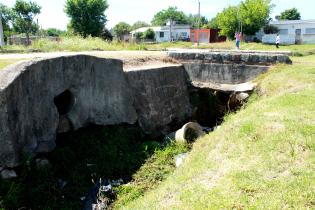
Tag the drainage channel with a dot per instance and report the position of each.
(90, 166)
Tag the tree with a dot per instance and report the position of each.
(290, 14)
(149, 34)
(106, 35)
(24, 15)
(55, 32)
(171, 14)
(139, 24)
(227, 21)
(193, 20)
(270, 29)
(254, 14)
(213, 23)
(138, 35)
(87, 17)
(250, 14)
(7, 18)
(121, 29)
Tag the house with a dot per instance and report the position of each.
(206, 35)
(162, 33)
(292, 32)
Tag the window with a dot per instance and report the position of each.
(161, 34)
(284, 31)
(310, 30)
(184, 34)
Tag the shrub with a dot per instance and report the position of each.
(149, 34)
(270, 29)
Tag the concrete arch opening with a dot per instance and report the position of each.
(64, 102)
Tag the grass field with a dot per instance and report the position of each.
(230, 45)
(262, 157)
(97, 44)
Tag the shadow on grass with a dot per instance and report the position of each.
(80, 158)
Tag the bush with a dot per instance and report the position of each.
(270, 29)
(106, 35)
(138, 35)
(149, 34)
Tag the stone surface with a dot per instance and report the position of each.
(161, 97)
(232, 57)
(179, 159)
(29, 117)
(8, 174)
(242, 96)
(247, 86)
(214, 73)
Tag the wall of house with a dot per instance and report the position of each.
(284, 39)
(176, 33)
(166, 37)
(308, 39)
(288, 33)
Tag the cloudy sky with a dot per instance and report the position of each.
(52, 14)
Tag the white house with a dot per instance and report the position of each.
(293, 32)
(162, 33)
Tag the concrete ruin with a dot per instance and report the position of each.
(42, 97)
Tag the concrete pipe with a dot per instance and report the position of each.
(189, 132)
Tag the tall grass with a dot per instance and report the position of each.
(74, 43)
(261, 157)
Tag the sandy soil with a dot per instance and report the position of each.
(131, 59)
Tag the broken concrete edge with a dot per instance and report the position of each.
(8, 74)
(285, 52)
(234, 57)
(243, 87)
(149, 67)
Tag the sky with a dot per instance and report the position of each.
(130, 11)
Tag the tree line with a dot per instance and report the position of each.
(87, 18)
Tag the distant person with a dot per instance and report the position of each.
(237, 40)
(277, 40)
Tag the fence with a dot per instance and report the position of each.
(15, 40)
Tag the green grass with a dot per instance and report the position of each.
(72, 44)
(262, 157)
(90, 44)
(230, 45)
(85, 156)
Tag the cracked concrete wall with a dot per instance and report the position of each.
(161, 98)
(226, 67)
(102, 94)
(28, 116)
(222, 73)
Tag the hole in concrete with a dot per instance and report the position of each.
(191, 135)
(64, 102)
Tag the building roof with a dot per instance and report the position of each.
(143, 29)
(288, 22)
(161, 28)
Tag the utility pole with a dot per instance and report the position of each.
(1, 32)
(198, 37)
(171, 30)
